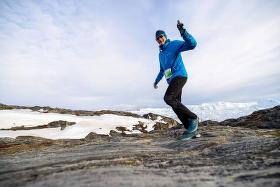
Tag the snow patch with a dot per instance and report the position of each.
(84, 124)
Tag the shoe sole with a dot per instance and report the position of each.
(196, 135)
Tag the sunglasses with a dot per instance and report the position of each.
(160, 36)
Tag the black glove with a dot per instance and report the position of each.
(180, 27)
(155, 85)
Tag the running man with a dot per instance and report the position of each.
(172, 67)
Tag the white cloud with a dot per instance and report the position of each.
(237, 44)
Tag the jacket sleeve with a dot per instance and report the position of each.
(189, 42)
(160, 75)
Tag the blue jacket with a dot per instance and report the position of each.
(170, 57)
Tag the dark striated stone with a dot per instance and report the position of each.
(97, 137)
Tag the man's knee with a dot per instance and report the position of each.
(170, 100)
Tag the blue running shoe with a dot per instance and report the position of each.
(193, 125)
(187, 136)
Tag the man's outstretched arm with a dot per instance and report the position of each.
(189, 42)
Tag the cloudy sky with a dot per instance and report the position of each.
(93, 54)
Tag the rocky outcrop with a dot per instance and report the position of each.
(262, 119)
(227, 154)
(54, 124)
(140, 127)
(6, 107)
(163, 123)
(96, 137)
(68, 111)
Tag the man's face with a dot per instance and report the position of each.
(161, 40)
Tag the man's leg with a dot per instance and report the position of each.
(184, 119)
(171, 98)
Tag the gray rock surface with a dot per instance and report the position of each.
(225, 155)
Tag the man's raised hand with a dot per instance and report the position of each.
(155, 86)
(180, 27)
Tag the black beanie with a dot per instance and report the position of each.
(160, 33)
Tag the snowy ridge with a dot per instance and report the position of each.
(104, 123)
(217, 111)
